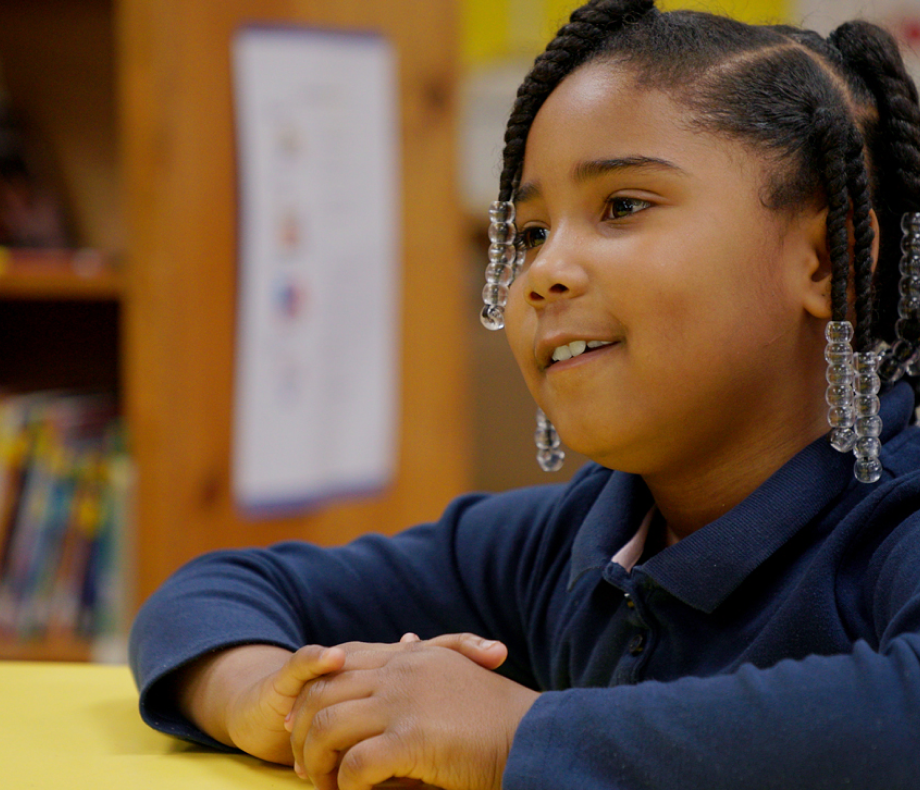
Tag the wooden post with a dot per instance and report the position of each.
(178, 168)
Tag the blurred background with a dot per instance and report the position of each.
(119, 201)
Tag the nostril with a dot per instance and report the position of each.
(558, 288)
(535, 297)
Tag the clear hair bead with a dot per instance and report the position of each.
(550, 455)
(503, 264)
(840, 377)
(902, 356)
(868, 426)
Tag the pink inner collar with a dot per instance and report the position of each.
(629, 555)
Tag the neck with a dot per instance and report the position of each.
(699, 493)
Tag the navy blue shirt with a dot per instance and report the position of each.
(777, 647)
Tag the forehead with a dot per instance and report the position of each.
(600, 112)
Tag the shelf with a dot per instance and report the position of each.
(51, 649)
(59, 275)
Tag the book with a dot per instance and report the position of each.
(65, 483)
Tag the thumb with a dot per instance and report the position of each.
(307, 664)
(488, 653)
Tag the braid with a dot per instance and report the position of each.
(832, 145)
(873, 55)
(863, 236)
(584, 35)
(853, 91)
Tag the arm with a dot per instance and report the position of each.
(825, 722)
(849, 719)
(241, 696)
(822, 722)
(375, 589)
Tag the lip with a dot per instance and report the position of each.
(547, 345)
(582, 359)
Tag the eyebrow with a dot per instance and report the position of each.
(594, 168)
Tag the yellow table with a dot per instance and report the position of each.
(76, 726)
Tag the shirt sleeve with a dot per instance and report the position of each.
(469, 571)
(823, 722)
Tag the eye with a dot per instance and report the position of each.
(533, 236)
(619, 207)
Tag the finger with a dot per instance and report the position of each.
(487, 653)
(410, 637)
(371, 762)
(320, 694)
(306, 664)
(334, 730)
(357, 656)
(371, 655)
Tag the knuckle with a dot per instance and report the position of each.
(355, 765)
(324, 722)
(308, 655)
(311, 697)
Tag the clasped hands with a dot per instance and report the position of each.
(358, 714)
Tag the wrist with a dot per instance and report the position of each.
(209, 690)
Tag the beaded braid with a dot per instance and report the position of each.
(867, 423)
(834, 142)
(873, 56)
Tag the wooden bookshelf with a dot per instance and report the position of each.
(59, 275)
(49, 649)
(132, 99)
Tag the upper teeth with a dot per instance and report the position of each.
(577, 347)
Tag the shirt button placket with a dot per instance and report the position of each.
(637, 644)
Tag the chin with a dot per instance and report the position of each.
(614, 451)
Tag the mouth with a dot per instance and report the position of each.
(577, 348)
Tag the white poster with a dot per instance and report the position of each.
(315, 402)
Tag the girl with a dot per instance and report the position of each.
(699, 222)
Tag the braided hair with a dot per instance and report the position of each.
(836, 120)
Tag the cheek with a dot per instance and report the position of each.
(519, 330)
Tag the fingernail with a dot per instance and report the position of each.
(485, 644)
(287, 723)
(299, 770)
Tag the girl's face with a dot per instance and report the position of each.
(653, 239)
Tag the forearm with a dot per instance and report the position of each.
(206, 689)
(822, 723)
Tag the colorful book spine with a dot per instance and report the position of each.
(65, 504)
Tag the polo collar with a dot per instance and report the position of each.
(704, 568)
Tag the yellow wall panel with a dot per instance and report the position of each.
(484, 30)
(746, 10)
(496, 29)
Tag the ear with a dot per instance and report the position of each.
(817, 294)
(816, 263)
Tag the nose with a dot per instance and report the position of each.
(556, 272)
